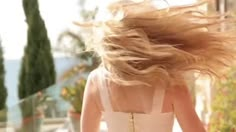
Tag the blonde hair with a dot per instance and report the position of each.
(143, 43)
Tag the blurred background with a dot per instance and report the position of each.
(43, 66)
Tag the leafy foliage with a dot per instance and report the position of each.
(33, 104)
(223, 117)
(74, 94)
(3, 90)
(37, 68)
(88, 61)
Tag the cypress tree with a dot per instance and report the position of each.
(37, 68)
(3, 90)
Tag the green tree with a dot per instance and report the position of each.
(3, 90)
(88, 61)
(223, 118)
(73, 92)
(37, 69)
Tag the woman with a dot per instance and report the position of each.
(145, 52)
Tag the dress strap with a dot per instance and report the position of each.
(103, 90)
(158, 100)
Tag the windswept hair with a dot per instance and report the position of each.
(142, 43)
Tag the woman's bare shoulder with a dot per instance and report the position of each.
(93, 80)
(178, 90)
(96, 74)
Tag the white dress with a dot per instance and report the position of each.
(137, 122)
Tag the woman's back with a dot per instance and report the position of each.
(147, 46)
(135, 108)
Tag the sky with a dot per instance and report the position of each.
(57, 14)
